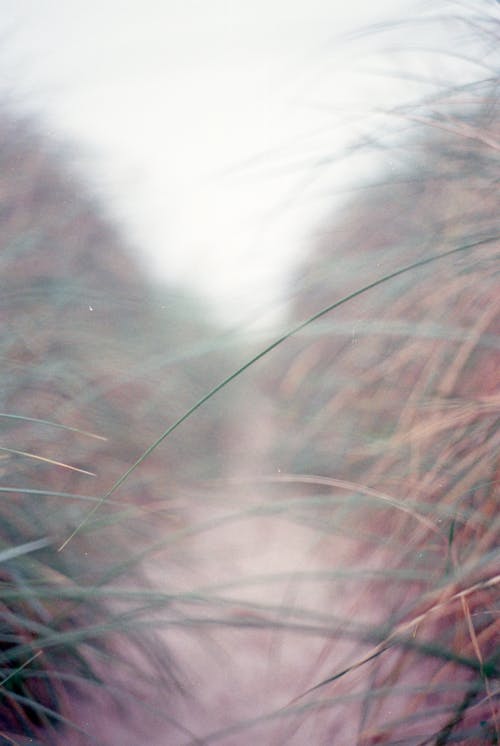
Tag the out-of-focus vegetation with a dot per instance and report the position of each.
(387, 422)
(388, 415)
(346, 591)
(96, 362)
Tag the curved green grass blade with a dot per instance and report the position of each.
(283, 338)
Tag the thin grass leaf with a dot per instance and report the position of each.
(263, 353)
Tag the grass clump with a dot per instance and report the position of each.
(395, 396)
(342, 587)
(92, 367)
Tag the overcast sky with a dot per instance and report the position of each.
(203, 121)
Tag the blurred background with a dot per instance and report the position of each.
(216, 132)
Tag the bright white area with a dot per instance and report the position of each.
(209, 125)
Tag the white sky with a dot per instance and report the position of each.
(202, 121)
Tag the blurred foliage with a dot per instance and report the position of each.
(96, 363)
(391, 404)
(375, 429)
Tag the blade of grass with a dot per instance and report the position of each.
(54, 493)
(20, 668)
(398, 637)
(295, 330)
(47, 460)
(30, 546)
(37, 421)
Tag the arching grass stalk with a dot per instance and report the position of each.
(283, 338)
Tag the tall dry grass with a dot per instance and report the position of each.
(95, 360)
(342, 586)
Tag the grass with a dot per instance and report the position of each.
(334, 578)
